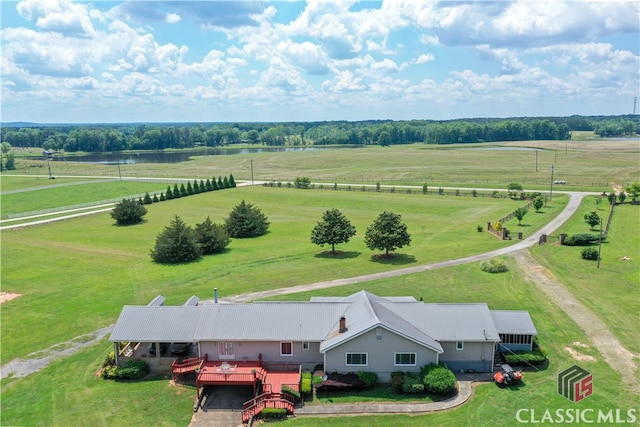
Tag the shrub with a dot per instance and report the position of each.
(493, 265)
(133, 369)
(109, 360)
(128, 211)
(412, 384)
(305, 383)
(316, 380)
(441, 191)
(302, 182)
(474, 193)
(292, 392)
(479, 228)
(110, 372)
(581, 239)
(525, 357)
(590, 254)
(274, 413)
(397, 378)
(368, 378)
(425, 188)
(497, 226)
(439, 379)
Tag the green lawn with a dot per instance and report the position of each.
(613, 291)
(91, 267)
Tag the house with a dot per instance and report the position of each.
(360, 332)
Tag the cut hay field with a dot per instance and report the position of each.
(584, 165)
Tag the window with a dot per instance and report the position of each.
(405, 359)
(305, 345)
(459, 345)
(286, 349)
(356, 359)
(226, 350)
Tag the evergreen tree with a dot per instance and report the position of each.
(183, 190)
(128, 211)
(334, 228)
(220, 183)
(155, 198)
(189, 189)
(201, 187)
(208, 186)
(176, 191)
(169, 193)
(225, 183)
(147, 199)
(211, 237)
(246, 220)
(232, 182)
(387, 233)
(175, 244)
(162, 197)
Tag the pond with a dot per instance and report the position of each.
(124, 158)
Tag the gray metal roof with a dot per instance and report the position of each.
(272, 321)
(450, 322)
(368, 311)
(156, 324)
(513, 322)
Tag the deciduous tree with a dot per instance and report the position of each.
(592, 218)
(387, 233)
(520, 213)
(334, 228)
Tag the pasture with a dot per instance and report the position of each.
(75, 275)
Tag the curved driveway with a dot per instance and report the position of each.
(24, 367)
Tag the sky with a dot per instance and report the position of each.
(65, 61)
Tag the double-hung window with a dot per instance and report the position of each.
(357, 359)
(405, 359)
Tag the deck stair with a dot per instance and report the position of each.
(253, 408)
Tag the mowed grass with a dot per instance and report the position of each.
(67, 193)
(612, 292)
(75, 275)
(585, 165)
(69, 390)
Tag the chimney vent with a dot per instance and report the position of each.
(215, 295)
(343, 325)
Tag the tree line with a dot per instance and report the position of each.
(121, 137)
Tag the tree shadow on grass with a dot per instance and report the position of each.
(393, 259)
(338, 255)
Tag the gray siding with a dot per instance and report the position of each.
(380, 354)
(270, 351)
(474, 355)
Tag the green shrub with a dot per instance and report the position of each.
(110, 372)
(581, 239)
(133, 370)
(493, 265)
(316, 380)
(368, 378)
(525, 357)
(274, 413)
(292, 392)
(412, 384)
(439, 379)
(109, 360)
(590, 254)
(397, 378)
(479, 228)
(305, 383)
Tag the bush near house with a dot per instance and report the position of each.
(520, 358)
(292, 392)
(369, 379)
(274, 413)
(438, 379)
(412, 384)
(305, 383)
(133, 370)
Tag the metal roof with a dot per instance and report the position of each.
(156, 324)
(513, 322)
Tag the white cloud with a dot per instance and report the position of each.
(424, 58)
(63, 16)
(172, 18)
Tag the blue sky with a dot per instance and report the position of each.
(222, 61)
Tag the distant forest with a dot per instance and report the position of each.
(155, 136)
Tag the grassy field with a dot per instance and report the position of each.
(75, 275)
(586, 165)
(92, 267)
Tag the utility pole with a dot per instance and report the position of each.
(551, 190)
(536, 160)
(251, 172)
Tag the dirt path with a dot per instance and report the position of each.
(618, 357)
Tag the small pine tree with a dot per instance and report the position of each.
(232, 182)
(176, 191)
(220, 183)
(246, 220)
(128, 211)
(196, 187)
(162, 197)
(189, 189)
(211, 237)
(425, 189)
(183, 190)
(147, 199)
(214, 185)
(225, 183)
(208, 186)
(155, 198)
(169, 195)
(175, 244)
(201, 187)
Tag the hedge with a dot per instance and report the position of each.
(439, 379)
(525, 357)
(133, 369)
(582, 239)
(274, 413)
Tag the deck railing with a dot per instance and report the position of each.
(266, 400)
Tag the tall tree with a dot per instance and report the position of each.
(176, 244)
(211, 237)
(334, 228)
(246, 220)
(387, 233)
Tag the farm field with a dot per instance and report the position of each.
(75, 275)
(587, 165)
